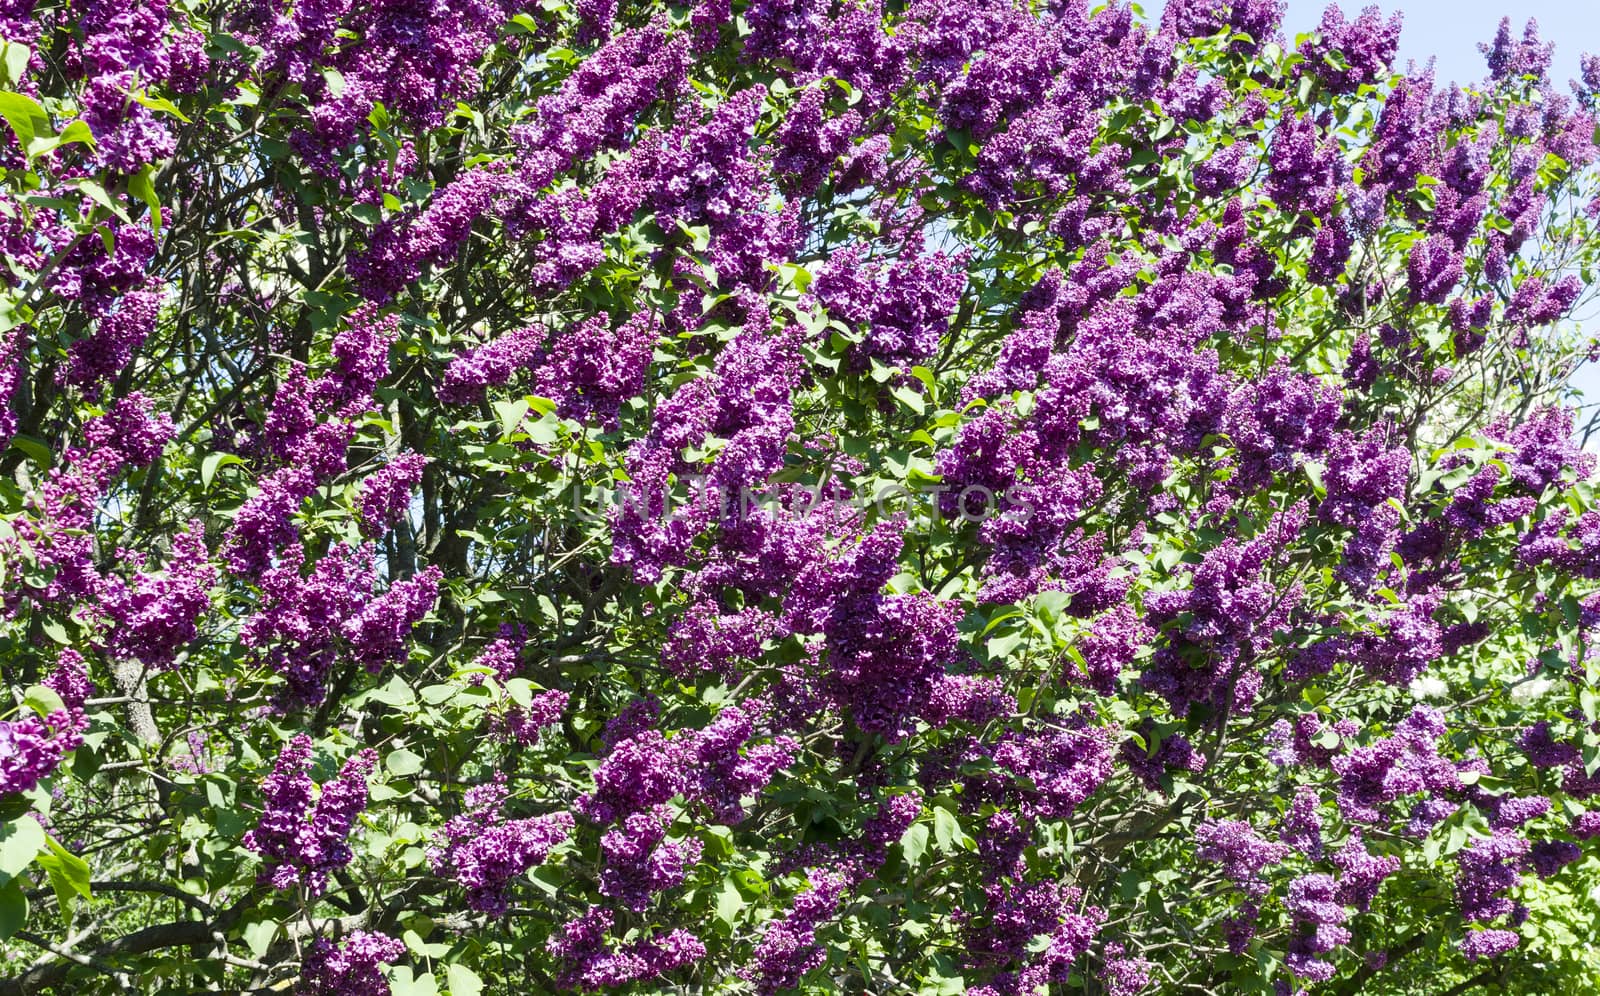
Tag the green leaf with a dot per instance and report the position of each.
(13, 909)
(97, 193)
(403, 762)
(42, 700)
(1002, 646)
(397, 694)
(20, 842)
(422, 947)
(520, 690)
(946, 828)
(258, 935)
(73, 868)
(729, 901)
(911, 399)
(16, 56)
(436, 694)
(56, 630)
(915, 843)
(403, 983)
(511, 414)
(34, 449)
(161, 104)
(1049, 605)
(75, 133)
(214, 462)
(463, 981)
(141, 186)
(26, 118)
(69, 876)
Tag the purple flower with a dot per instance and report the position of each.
(593, 370)
(1511, 812)
(589, 962)
(485, 853)
(1243, 853)
(1064, 768)
(900, 308)
(1302, 827)
(70, 679)
(969, 698)
(156, 616)
(1365, 47)
(1489, 869)
(300, 843)
(1319, 916)
(1123, 975)
(1176, 753)
(106, 351)
(490, 365)
(32, 747)
(523, 725)
(1406, 763)
(601, 100)
(1433, 269)
(1479, 944)
(1586, 825)
(1543, 749)
(1112, 643)
(397, 251)
(354, 967)
(1509, 58)
(1220, 621)
(1543, 449)
(1405, 142)
(640, 861)
(1304, 171)
(1547, 858)
(640, 773)
(1361, 872)
(264, 524)
(788, 948)
(723, 763)
(1202, 18)
(377, 635)
(127, 134)
(386, 493)
(131, 428)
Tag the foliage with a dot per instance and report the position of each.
(891, 496)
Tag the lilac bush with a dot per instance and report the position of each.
(766, 496)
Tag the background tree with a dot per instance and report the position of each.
(929, 496)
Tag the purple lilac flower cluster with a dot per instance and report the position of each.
(581, 947)
(386, 493)
(485, 853)
(308, 428)
(300, 842)
(304, 622)
(788, 947)
(352, 967)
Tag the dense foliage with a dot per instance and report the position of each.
(883, 496)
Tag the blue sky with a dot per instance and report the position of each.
(1450, 30)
